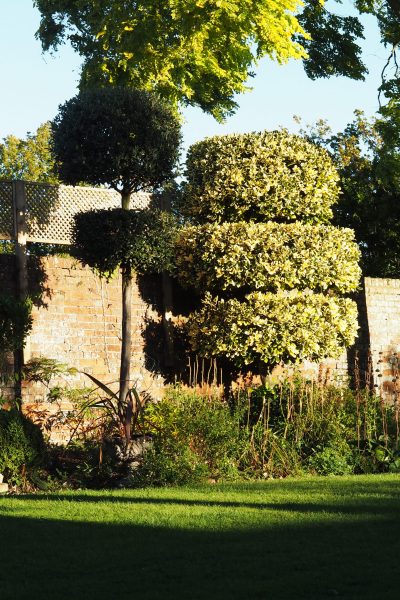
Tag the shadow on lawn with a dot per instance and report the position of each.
(60, 560)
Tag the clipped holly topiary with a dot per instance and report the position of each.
(259, 176)
(269, 269)
(285, 326)
(141, 239)
(267, 256)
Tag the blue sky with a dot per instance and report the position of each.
(33, 85)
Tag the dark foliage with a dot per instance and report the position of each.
(367, 156)
(15, 322)
(107, 239)
(334, 45)
(127, 139)
(22, 446)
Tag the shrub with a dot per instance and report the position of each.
(259, 176)
(286, 326)
(331, 460)
(15, 322)
(126, 138)
(21, 446)
(107, 239)
(267, 256)
(193, 438)
(270, 287)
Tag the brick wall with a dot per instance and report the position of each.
(77, 322)
(382, 300)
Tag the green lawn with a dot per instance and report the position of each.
(311, 538)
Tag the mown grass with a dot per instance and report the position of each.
(311, 538)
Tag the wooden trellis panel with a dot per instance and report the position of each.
(6, 211)
(49, 209)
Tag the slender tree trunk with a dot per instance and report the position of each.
(125, 368)
(169, 353)
(125, 401)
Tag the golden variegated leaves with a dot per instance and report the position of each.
(268, 257)
(285, 326)
(259, 176)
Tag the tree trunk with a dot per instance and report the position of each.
(125, 400)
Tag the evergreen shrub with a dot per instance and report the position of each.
(267, 256)
(269, 270)
(123, 137)
(285, 326)
(22, 447)
(107, 239)
(259, 176)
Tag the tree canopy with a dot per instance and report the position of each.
(202, 52)
(196, 52)
(367, 156)
(30, 159)
(124, 138)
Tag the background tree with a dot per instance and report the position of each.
(202, 52)
(196, 52)
(366, 154)
(128, 140)
(270, 270)
(30, 159)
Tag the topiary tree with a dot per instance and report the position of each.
(128, 140)
(270, 271)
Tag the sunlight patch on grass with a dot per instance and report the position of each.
(225, 506)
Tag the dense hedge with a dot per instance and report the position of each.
(267, 256)
(108, 239)
(285, 326)
(259, 176)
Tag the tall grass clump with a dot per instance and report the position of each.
(300, 426)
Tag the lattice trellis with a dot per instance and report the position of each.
(6, 211)
(50, 209)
